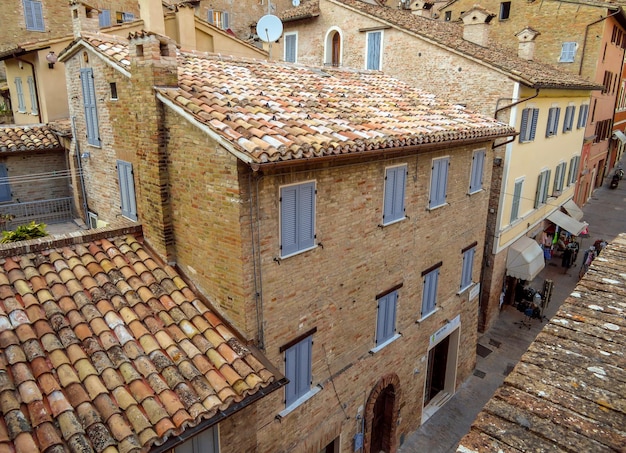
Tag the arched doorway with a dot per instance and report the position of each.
(336, 50)
(381, 415)
(332, 47)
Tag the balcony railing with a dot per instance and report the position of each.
(57, 210)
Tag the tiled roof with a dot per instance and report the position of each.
(305, 10)
(27, 138)
(450, 35)
(273, 111)
(110, 46)
(105, 349)
(568, 392)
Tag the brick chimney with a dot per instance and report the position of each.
(423, 8)
(186, 25)
(526, 49)
(476, 25)
(84, 18)
(151, 12)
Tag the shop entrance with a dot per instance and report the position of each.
(440, 374)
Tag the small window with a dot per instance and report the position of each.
(583, 113)
(373, 50)
(505, 10)
(572, 176)
(568, 124)
(438, 182)
(467, 268)
(104, 18)
(33, 15)
(517, 196)
(395, 182)
(553, 121)
(568, 52)
(19, 89)
(476, 178)
(386, 317)
(448, 16)
(297, 218)
(121, 17)
(429, 296)
(559, 178)
(543, 181)
(220, 19)
(528, 127)
(5, 188)
(113, 86)
(291, 47)
(298, 360)
(30, 81)
(205, 442)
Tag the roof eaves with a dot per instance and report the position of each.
(301, 17)
(75, 46)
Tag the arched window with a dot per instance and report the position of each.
(332, 47)
(336, 50)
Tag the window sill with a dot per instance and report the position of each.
(385, 343)
(475, 192)
(437, 207)
(304, 398)
(383, 225)
(462, 290)
(423, 318)
(297, 253)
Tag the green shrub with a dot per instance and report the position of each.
(23, 232)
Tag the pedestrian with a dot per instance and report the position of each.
(566, 259)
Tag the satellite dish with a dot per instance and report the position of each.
(295, 2)
(269, 28)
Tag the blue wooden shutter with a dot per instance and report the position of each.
(306, 216)
(298, 370)
(104, 18)
(476, 180)
(209, 17)
(91, 110)
(517, 195)
(395, 182)
(373, 50)
(33, 95)
(21, 104)
(466, 271)
(429, 298)
(128, 17)
(290, 48)
(288, 222)
(568, 51)
(225, 20)
(291, 367)
(127, 189)
(569, 118)
(533, 125)
(33, 15)
(386, 317)
(524, 128)
(5, 188)
(297, 218)
(582, 116)
(438, 182)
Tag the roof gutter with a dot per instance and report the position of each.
(582, 55)
(498, 110)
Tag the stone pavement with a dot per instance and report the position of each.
(501, 347)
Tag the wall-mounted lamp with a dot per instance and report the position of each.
(85, 155)
(52, 59)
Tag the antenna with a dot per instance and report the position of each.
(269, 28)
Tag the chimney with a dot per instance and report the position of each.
(476, 25)
(158, 53)
(186, 25)
(526, 49)
(84, 18)
(423, 8)
(151, 12)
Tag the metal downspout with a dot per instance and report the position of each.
(498, 110)
(256, 250)
(34, 84)
(80, 171)
(582, 54)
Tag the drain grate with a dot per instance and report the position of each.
(495, 343)
(480, 374)
(482, 350)
(508, 369)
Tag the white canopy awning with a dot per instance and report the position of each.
(620, 136)
(572, 209)
(524, 259)
(567, 223)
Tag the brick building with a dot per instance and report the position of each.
(323, 213)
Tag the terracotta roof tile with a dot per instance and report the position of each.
(27, 138)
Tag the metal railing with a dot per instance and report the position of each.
(57, 210)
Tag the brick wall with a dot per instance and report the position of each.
(32, 164)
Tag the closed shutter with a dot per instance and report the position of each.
(225, 20)
(380, 320)
(33, 15)
(127, 189)
(568, 51)
(306, 216)
(298, 370)
(128, 17)
(533, 125)
(21, 104)
(395, 182)
(386, 318)
(209, 17)
(290, 47)
(373, 50)
(5, 188)
(34, 110)
(517, 195)
(476, 179)
(390, 318)
(466, 271)
(430, 292)
(569, 118)
(91, 110)
(438, 182)
(104, 18)
(291, 373)
(297, 218)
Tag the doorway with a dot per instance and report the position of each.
(440, 380)
(381, 416)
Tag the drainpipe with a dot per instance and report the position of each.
(498, 110)
(582, 54)
(256, 254)
(34, 83)
(80, 171)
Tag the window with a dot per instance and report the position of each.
(517, 196)
(395, 181)
(121, 17)
(573, 170)
(505, 10)
(568, 124)
(621, 100)
(218, 18)
(127, 189)
(373, 50)
(386, 318)
(297, 218)
(603, 130)
(583, 113)
(448, 16)
(607, 82)
(291, 47)
(568, 52)
(528, 127)
(91, 109)
(205, 442)
(33, 15)
(559, 178)
(476, 178)
(21, 104)
(298, 360)
(541, 196)
(468, 266)
(429, 296)
(438, 182)
(5, 188)
(553, 121)
(34, 110)
(113, 87)
(104, 18)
